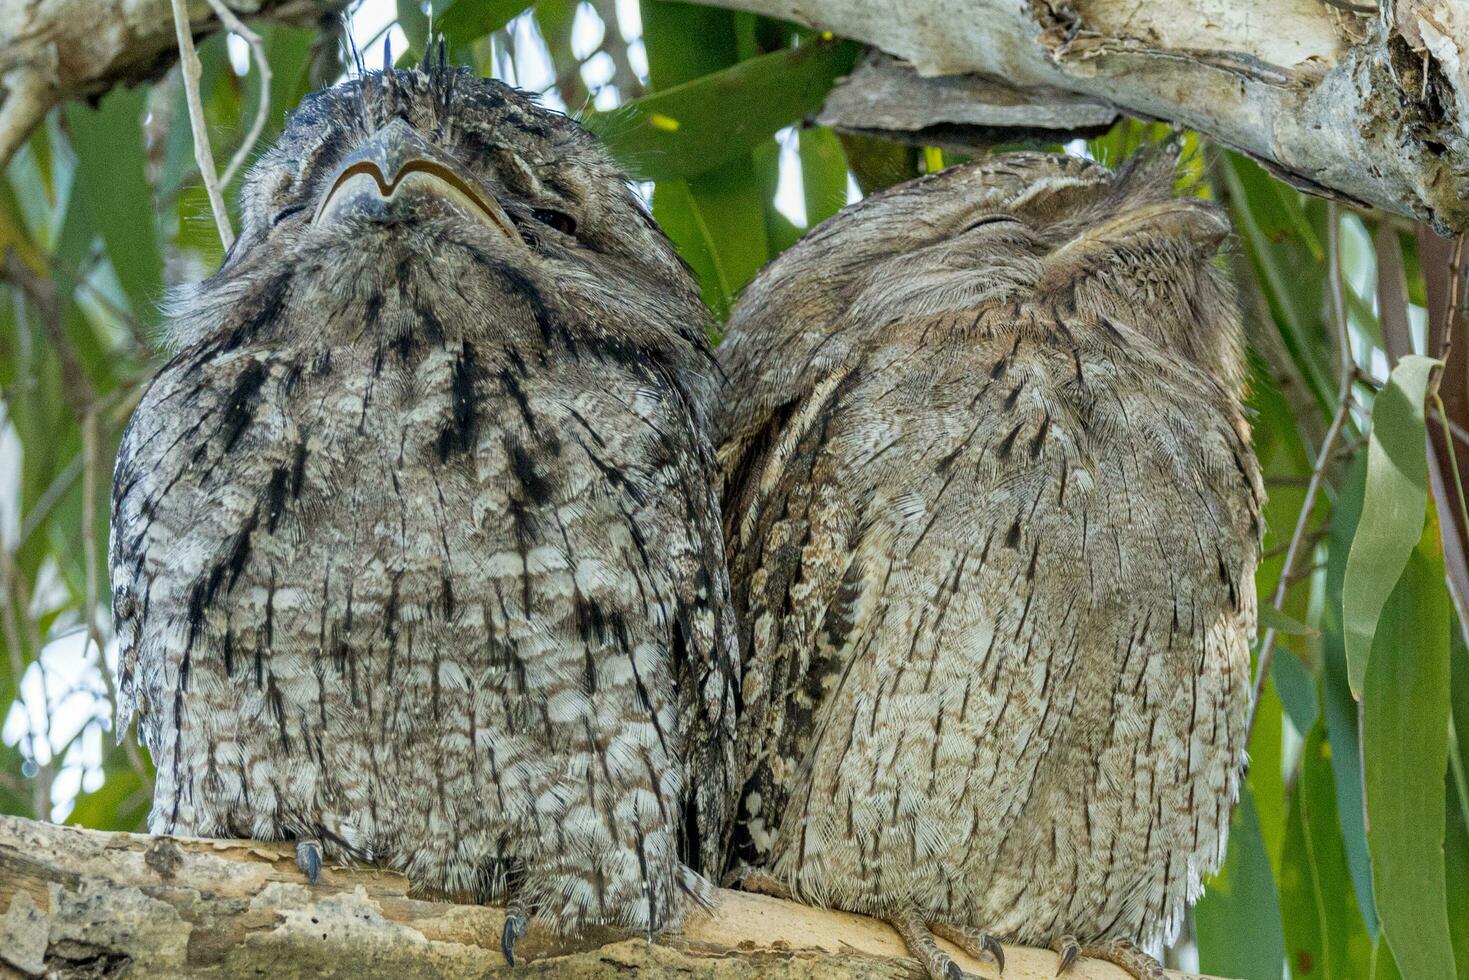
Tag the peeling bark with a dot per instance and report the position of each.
(54, 50)
(81, 903)
(1371, 106)
(887, 97)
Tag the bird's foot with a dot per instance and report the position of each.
(517, 923)
(308, 858)
(980, 945)
(1120, 952)
(918, 937)
(759, 881)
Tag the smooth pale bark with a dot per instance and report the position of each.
(54, 50)
(1369, 106)
(83, 903)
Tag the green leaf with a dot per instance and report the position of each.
(466, 21)
(1344, 948)
(717, 222)
(414, 22)
(823, 174)
(1288, 270)
(1392, 508)
(701, 125)
(667, 28)
(111, 173)
(1272, 618)
(120, 803)
(1456, 870)
(1266, 780)
(1339, 707)
(1405, 729)
(1238, 920)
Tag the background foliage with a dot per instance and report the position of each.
(1350, 850)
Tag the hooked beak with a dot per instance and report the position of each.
(397, 161)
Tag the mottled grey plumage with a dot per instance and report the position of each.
(416, 546)
(993, 521)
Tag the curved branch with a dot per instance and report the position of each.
(79, 902)
(1367, 108)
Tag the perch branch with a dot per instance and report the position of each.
(74, 900)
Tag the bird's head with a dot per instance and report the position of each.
(1004, 227)
(406, 191)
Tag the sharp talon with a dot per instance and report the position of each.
(1070, 951)
(953, 972)
(515, 927)
(308, 859)
(992, 946)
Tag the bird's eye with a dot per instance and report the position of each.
(559, 220)
(989, 219)
(285, 213)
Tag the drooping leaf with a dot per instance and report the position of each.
(465, 21)
(823, 174)
(1392, 508)
(1340, 709)
(111, 173)
(1456, 875)
(1266, 780)
(1272, 618)
(1291, 274)
(1239, 902)
(1405, 728)
(702, 124)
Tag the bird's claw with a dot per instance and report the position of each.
(992, 946)
(758, 881)
(1070, 951)
(1117, 951)
(308, 859)
(516, 925)
(974, 942)
(939, 965)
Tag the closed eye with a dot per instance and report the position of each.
(989, 219)
(285, 213)
(552, 218)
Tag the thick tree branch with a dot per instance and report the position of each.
(77, 903)
(1371, 106)
(54, 50)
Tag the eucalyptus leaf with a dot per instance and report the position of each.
(701, 125)
(1272, 618)
(1392, 508)
(111, 173)
(1405, 731)
(1241, 901)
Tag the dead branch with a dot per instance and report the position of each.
(77, 903)
(1366, 106)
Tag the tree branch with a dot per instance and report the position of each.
(79, 903)
(1368, 108)
(54, 50)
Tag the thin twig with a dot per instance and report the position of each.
(236, 26)
(1456, 269)
(191, 69)
(1343, 406)
(1453, 459)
